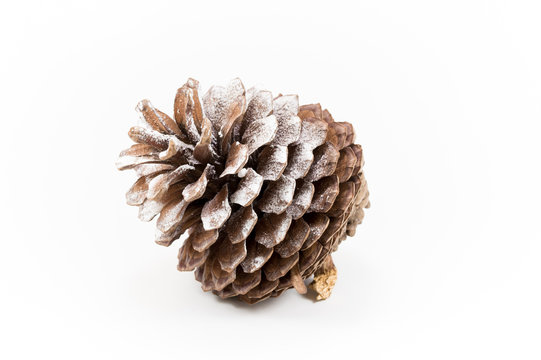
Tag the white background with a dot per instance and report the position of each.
(445, 98)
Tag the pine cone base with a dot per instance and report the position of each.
(260, 189)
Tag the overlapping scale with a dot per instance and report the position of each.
(272, 229)
(278, 266)
(272, 162)
(256, 256)
(245, 282)
(248, 188)
(294, 239)
(240, 224)
(277, 196)
(301, 199)
(216, 211)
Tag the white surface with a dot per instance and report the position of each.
(445, 97)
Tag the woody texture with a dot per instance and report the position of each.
(260, 190)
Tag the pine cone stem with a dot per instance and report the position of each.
(324, 279)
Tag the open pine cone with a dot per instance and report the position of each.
(264, 189)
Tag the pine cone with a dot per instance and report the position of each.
(264, 189)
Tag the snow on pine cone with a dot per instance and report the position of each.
(264, 189)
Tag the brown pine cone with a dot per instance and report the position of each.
(264, 189)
